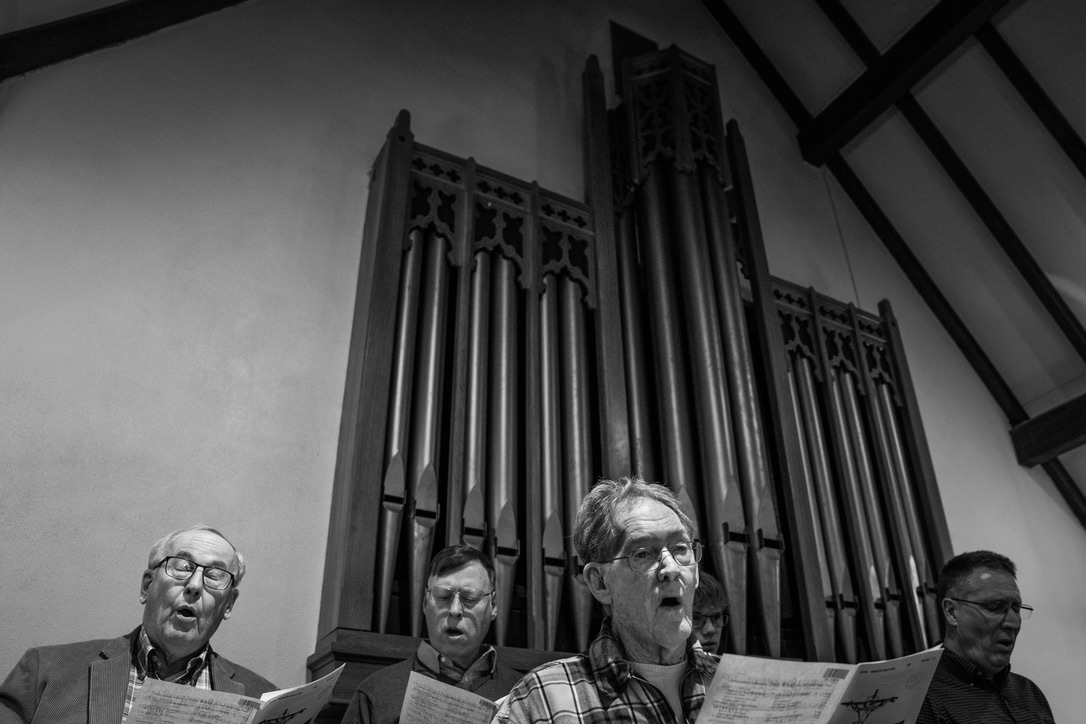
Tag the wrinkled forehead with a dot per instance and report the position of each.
(472, 575)
(203, 547)
(645, 521)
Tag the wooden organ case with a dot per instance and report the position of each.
(510, 346)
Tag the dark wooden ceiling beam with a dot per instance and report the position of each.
(924, 46)
(1034, 96)
(1043, 437)
(997, 224)
(758, 60)
(29, 49)
(967, 184)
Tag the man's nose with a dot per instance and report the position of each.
(708, 627)
(669, 567)
(456, 608)
(195, 582)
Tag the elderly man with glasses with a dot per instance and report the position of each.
(984, 612)
(641, 564)
(189, 588)
(459, 607)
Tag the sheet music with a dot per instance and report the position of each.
(748, 690)
(160, 702)
(428, 701)
(887, 692)
(299, 704)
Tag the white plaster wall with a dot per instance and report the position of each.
(180, 220)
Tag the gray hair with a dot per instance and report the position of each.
(596, 534)
(158, 550)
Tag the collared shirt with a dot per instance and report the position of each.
(599, 686)
(442, 666)
(145, 662)
(960, 693)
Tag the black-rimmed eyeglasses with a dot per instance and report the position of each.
(643, 558)
(999, 607)
(698, 620)
(182, 569)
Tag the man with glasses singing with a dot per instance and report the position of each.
(188, 589)
(984, 612)
(641, 564)
(459, 607)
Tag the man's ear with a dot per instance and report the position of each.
(597, 583)
(234, 593)
(950, 612)
(145, 584)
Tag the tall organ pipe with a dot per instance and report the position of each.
(554, 556)
(502, 427)
(724, 511)
(394, 490)
(750, 443)
(474, 514)
(844, 599)
(576, 432)
(426, 422)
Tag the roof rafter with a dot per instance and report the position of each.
(32, 48)
(938, 34)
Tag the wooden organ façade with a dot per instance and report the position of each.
(510, 346)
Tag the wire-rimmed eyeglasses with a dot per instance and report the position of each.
(999, 607)
(643, 558)
(469, 598)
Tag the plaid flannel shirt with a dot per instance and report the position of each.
(598, 686)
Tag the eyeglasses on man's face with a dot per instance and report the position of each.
(999, 607)
(469, 597)
(717, 619)
(643, 558)
(182, 569)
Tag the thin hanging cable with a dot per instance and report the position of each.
(841, 237)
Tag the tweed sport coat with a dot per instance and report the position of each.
(87, 682)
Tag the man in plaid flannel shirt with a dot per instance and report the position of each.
(644, 666)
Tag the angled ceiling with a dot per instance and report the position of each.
(955, 127)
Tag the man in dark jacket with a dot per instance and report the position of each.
(188, 589)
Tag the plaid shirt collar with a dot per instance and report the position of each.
(147, 662)
(612, 671)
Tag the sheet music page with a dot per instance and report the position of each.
(160, 702)
(749, 690)
(429, 701)
(887, 692)
(298, 704)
